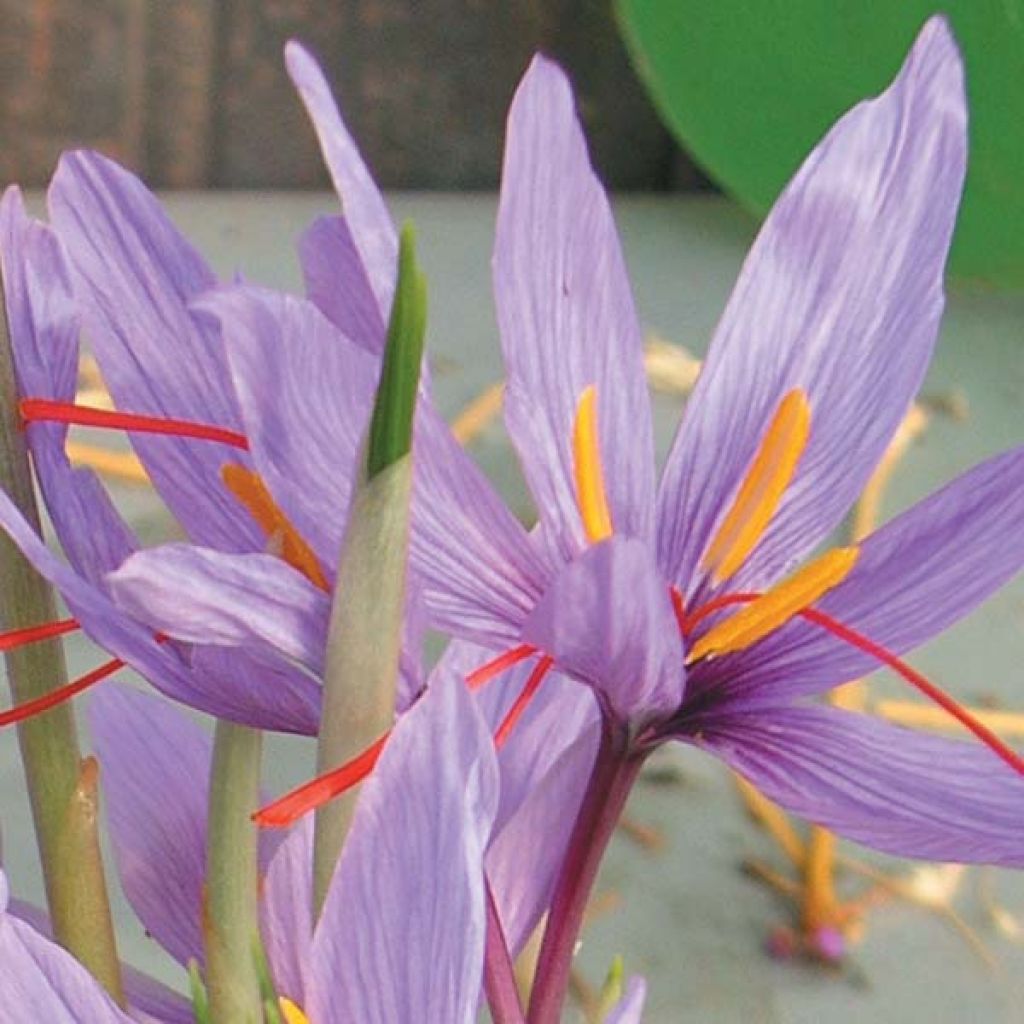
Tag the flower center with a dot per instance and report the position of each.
(252, 493)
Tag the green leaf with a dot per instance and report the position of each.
(391, 426)
(749, 88)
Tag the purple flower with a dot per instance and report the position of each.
(635, 592)
(401, 935)
(181, 354)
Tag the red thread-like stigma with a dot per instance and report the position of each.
(863, 643)
(31, 708)
(44, 410)
(33, 634)
(508, 723)
(308, 797)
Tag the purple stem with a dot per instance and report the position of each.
(499, 976)
(611, 780)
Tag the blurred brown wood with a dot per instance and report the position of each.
(71, 74)
(193, 93)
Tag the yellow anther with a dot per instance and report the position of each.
(777, 606)
(291, 1013)
(586, 447)
(762, 488)
(286, 541)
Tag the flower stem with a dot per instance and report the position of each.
(231, 917)
(499, 974)
(61, 789)
(614, 772)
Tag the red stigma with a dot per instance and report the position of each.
(33, 634)
(43, 410)
(315, 793)
(31, 708)
(863, 643)
(532, 685)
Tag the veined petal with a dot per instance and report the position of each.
(44, 327)
(155, 764)
(336, 282)
(896, 790)
(206, 597)
(914, 577)
(567, 318)
(544, 765)
(286, 920)
(478, 568)
(840, 297)
(134, 276)
(306, 393)
(401, 936)
(608, 621)
(39, 981)
(362, 204)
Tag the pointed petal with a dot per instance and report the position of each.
(401, 937)
(306, 393)
(566, 315)
(362, 204)
(155, 766)
(479, 571)
(630, 1008)
(336, 282)
(896, 790)
(44, 328)
(286, 919)
(134, 276)
(607, 620)
(206, 597)
(545, 766)
(915, 576)
(841, 297)
(39, 981)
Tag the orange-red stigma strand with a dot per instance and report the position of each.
(33, 634)
(44, 410)
(485, 673)
(887, 658)
(508, 723)
(313, 794)
(50, 700)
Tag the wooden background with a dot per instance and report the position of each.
(192, 93)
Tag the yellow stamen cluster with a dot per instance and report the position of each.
(776, 607)
(761, 491)
(252, 493)
(590, 493)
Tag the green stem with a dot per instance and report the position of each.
(61, 790)
(231, 915)
(363, 650)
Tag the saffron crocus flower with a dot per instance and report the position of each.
(675, 607)
(180, 375)
(401, 935)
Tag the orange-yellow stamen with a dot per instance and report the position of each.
(775, 608)
(762, 488)
(590, 493)
(291, 1013)
(252, 493)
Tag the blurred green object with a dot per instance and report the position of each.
(749, 87)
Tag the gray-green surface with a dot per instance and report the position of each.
(687, 916)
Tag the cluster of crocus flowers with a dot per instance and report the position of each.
(635, 613)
